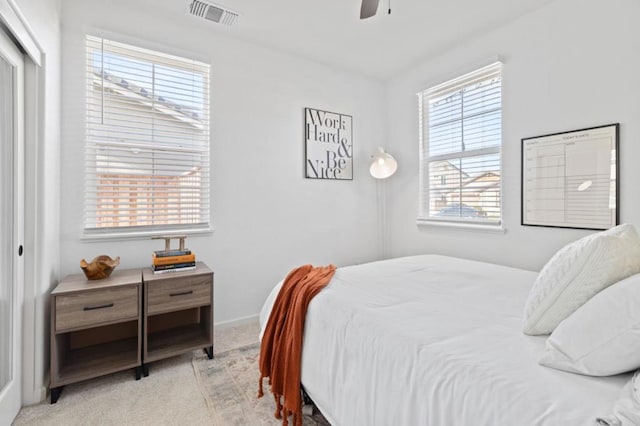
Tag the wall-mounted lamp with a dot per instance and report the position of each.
(383, 164)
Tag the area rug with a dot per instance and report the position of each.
(229, 384)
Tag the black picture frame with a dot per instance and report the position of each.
(578, 193)
(328, 145)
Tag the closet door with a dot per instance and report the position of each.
(11, 225)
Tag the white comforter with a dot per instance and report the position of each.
(434, 340)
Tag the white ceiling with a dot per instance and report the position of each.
(330, 31)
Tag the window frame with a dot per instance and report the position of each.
(144, 231)
(461, 81)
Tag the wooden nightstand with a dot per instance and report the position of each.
(96, 328)
(100, 327)
(178, 313)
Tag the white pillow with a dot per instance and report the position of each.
(602, 337)
(577, 272)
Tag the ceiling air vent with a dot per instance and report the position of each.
(212, 12)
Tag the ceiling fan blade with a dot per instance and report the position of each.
(369, 8)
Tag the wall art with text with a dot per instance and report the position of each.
(328, 145)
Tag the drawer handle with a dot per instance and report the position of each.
(182, 293)
(93, 308)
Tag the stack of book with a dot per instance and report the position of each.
(172, 261)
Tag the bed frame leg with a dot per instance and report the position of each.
(305, 397)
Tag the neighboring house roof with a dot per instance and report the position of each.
(132, 91)
(477, 184)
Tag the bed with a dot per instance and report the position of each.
(435, 340)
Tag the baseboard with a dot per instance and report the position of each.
(236, 322)
(35, 397)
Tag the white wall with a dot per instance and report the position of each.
(268, 218)
(570, 65)
(42, 233)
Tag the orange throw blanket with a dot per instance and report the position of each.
(281, 349)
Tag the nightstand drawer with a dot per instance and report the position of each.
(96, 307)
(178, 293)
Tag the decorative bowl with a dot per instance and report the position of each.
(100, 267)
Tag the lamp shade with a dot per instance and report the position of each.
(383, 164)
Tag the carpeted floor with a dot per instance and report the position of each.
(187, 389)
(169, 396)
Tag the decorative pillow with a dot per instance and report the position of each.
(577, 272)
(602, 337)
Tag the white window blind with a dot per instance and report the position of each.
(147, 146)
(460, 142)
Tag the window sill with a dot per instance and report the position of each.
(141, 235)
(485, 227)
